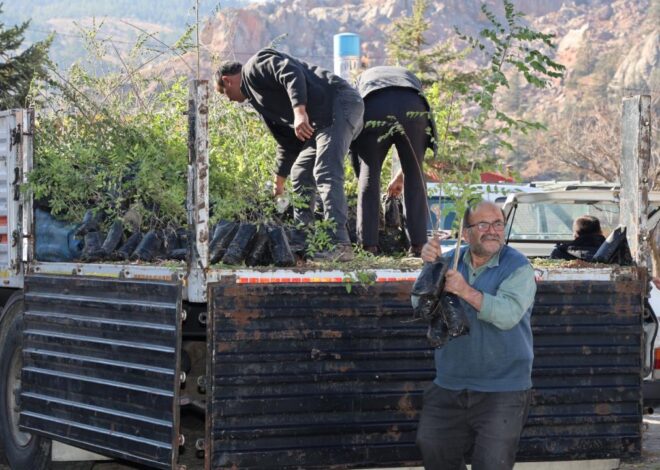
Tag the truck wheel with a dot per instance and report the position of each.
(24, 451)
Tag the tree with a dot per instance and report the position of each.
(408, 45)
(18, 70)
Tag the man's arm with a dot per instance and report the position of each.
(504, 309)
(290, 75)
(513, 298)
(288, 148)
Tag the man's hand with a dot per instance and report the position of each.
(301, 124)
(455, 283)
(278, 189)
(431, 250)
(395, 188)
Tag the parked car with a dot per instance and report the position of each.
(441, 203)
(537, 221)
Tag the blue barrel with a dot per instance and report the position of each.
(346, 54)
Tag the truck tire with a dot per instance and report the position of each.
(23, 451)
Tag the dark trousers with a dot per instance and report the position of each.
(368, 153)
(482, 428)
(320, 164)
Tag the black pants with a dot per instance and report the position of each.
(467, 426)
(368, 153)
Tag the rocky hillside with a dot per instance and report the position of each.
(611, 48)
(618, 41)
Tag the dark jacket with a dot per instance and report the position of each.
(274, 83)
(583, 247)
(381, 77)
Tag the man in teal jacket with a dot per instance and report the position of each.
(476, 407)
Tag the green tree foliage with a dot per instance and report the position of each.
(19, 69)
(116, 140)
(407, 46)
(472, 128)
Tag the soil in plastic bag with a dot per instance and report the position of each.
(260, 253)
(454, 316)
(240, 245)
(392, 209)
(279, 247)
(223, 234)
(437, 333)
(128, 247)
(92, 250)
(113, 238)
(297, 240)
(181, 252)
(428, 289)
(149, 248)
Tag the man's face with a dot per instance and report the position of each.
(485, 232)
(230, 86)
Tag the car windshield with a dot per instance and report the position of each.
(553, 220)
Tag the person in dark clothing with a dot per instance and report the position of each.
(313, 115)
(392, 92)
(477, 405)
(588, 238)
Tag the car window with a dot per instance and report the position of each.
(554, 220)
(442, 213)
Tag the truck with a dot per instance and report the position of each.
(193, 366)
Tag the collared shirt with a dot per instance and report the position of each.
(514, 295)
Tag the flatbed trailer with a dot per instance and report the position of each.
(189, 366)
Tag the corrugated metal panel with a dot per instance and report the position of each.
(587, 371)
(311, 376)
(100, 364)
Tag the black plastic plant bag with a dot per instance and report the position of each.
(129, 246)
(392, 211)
(223, 234)
(437, 333)
(428, 289)
(92, 249)
(259, 254)
(149, 248)
(279, 247)
(240, 245)
(297, 240)
(453, 316)
(114, 238)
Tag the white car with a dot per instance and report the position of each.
(536, 222)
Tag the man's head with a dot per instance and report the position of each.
(586, 225)
(483, 229)
(228, 81)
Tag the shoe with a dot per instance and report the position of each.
(340, 253)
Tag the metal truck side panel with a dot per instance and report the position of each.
(100, 362)
(311, 376)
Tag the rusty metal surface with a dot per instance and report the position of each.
(100, 364)
(311, 376)
(587, 400)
